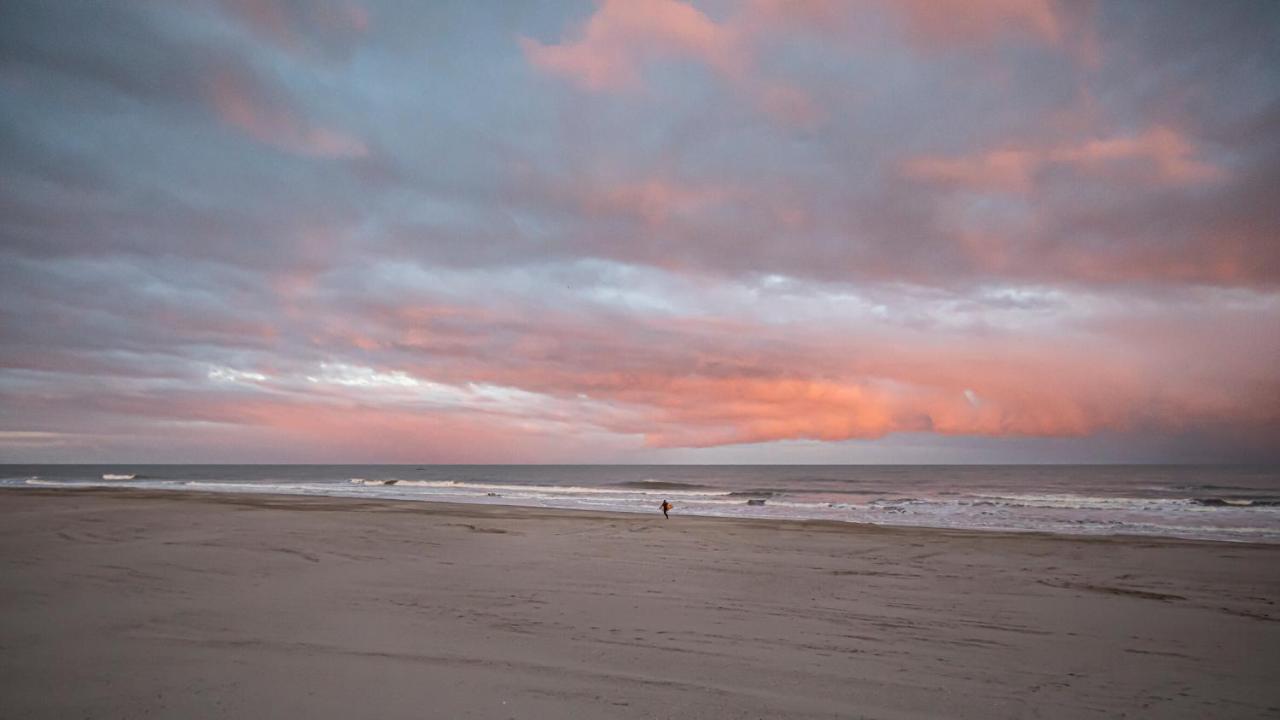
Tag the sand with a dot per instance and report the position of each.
(133, 604)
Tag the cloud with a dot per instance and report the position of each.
(621, 37)
(1160, 154)
(617, 43)
(934, 26)
(982, 20)
(21, 439)
(654, 200)
(821, 228)
(243, 104)
(321, 27)
(708, 365)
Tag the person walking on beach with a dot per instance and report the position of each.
(666, 505)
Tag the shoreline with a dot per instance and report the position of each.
(237, 497)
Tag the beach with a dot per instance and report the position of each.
(121, 603)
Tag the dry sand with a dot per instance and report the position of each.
(132, 604)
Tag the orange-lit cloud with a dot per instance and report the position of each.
(496, 381)
(689, 383)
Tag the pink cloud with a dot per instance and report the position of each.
(1160, 155)
(930, 22)
(655, 200)
(699, 381)
(268, 120)
(987, 396)
(297, 27)
(1170, 156)
(691, 382)
(980, 20)
(928, 25)
(621, 38)
(334, 429)
(698, 410)
(1003, 170)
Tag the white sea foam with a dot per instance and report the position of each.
(1081, 502)
(464, 487)
(1227, 518)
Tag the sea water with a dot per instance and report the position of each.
(1238, 503)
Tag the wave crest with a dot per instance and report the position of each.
(660, 485)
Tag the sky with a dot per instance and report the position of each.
(767, 231)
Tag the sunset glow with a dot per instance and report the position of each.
(756, 231)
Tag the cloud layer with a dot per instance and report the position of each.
(667, 231)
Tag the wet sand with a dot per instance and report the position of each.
(136, 604)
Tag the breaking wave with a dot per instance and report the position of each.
(660, 485)
(1239, 502)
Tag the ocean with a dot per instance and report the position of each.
(1232, 503)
